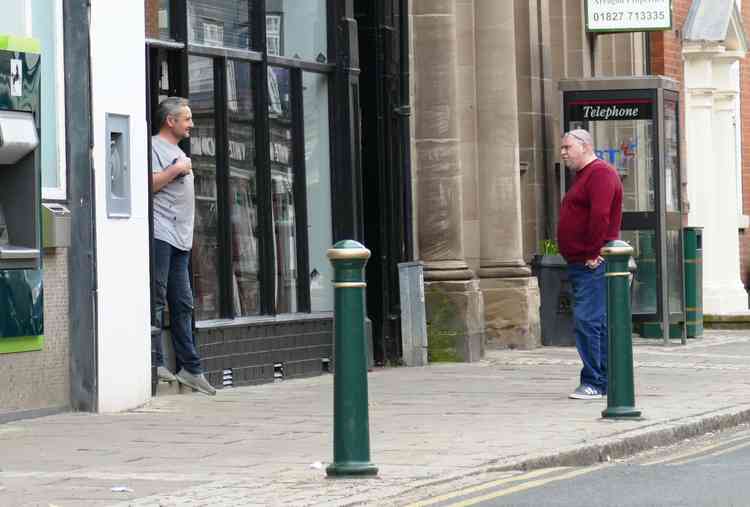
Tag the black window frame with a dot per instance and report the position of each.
(177, 51)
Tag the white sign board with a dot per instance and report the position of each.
(628, 15)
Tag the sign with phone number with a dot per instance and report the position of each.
(628, 15)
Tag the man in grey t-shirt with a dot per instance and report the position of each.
(174, 212)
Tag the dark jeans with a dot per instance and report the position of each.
(590, 315)
(172, 286)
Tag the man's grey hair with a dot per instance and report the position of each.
(581, 135)
(171, 106)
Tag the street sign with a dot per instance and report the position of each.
(628, 15)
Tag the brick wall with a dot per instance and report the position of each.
(745, 123)
(152, 18)
(666, 60)
(41, 379)
(666, 47)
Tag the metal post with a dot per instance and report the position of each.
(351, 429)
(693, 256)
(620, 391)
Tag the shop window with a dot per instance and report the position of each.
(318, 180)
(282, 190)
(260, 152)
(43, 21)
(297, 29)
(205, 258)
(243, 190)
(224, 23)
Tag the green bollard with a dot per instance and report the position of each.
(351, 429)
(693, 255)
(620, 391)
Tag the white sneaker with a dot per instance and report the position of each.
(197, 382)
(586, 392)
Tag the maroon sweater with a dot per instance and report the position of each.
(591, 212)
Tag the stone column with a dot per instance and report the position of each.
(712, 171)
(453, 299)
(511, 294)
(723, 292)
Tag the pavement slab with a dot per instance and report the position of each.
(429, 427)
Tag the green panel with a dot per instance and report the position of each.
(21, 44)
(29, 99)
(653, 330)
(21, 305)
(21, 344)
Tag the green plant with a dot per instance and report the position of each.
(549, 247)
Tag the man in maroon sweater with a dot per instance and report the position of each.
(590, 216)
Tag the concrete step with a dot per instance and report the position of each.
(732, 321)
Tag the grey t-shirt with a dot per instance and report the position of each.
(174, 204)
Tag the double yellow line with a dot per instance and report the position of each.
(527, 481)
(702, 452)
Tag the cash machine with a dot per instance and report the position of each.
(21, 309)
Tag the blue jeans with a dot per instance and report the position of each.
(590, 316)
(172, 286)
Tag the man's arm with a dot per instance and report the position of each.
(602, 188)
(163, 178)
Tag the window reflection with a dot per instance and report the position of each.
(318, 176)
(643, 288)
(674, 270)
(243, 190)
(282, 190)
(205, 253)
(222, 23)
(297, 29)
(627, 145)
(671, 156)
(158, 19)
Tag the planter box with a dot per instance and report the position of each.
(556, 310)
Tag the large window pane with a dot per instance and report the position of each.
(643, 289)
(243, 190)
(224, 23)
(318, 175)
(627, 145)
(671, 156)
(282, 190)
(674, 267)
(203, 154)
(12, 20)
(47, 27)
(297, 29)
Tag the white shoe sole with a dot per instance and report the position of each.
(576, 396)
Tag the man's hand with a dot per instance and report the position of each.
(179, 168)
(594, 263)
(183, 166)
